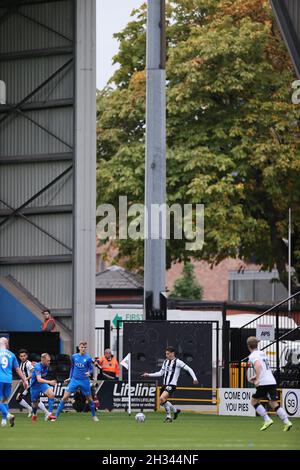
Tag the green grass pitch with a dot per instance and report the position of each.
(190, 431)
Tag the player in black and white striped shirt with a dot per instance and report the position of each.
(170, 370)
(27, 368)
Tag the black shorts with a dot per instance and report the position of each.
(168, 388)
(267, 392)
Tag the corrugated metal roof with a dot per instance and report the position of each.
(116, 277)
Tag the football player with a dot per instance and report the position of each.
(170, 370)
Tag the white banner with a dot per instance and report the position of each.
(236, 402)
(265, 332)
(291, 402)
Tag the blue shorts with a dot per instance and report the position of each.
(5, 391)
(35, 390)
(83, 385)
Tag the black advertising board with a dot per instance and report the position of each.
(110, 393)
(59, 390)
(113, 394)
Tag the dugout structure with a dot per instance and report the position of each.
(48, 155)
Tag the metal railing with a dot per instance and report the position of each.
(286, 332)
(212, 401)
(99, 342)
(206, 405)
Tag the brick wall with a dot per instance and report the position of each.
(213, 280)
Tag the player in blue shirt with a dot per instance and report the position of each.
(39, 384)
(8, 362)
(81, 370)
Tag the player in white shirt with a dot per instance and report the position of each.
(265, 383)
(170, 370)
(27, 368)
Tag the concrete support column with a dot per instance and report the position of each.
(155, 168)
(85, 175)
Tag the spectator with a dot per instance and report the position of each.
(80, 403)
(49, 322)
(108, 365)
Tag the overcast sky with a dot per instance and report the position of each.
(112, 16)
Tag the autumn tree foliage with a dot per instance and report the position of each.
(232, 130)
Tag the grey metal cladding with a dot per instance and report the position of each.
(37, 65)
(21, 238)
(20, 182)
(287, 14)
(293, 7)
(51, 284)
(25, 75)
(51, 25)
(35, 132)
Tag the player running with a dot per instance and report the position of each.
(265, 384)
(8, 362)
(171, 369)
(27, 368)
(81, 370)
(39, 384)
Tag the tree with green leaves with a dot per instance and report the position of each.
(232, 130)
(187, 286)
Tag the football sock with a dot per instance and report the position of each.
(51, 403)
(282, 414)
(92, 407)
(166, 406)
(60, 408)
(3, 410)
(262, 412)
(42, 407)
(25, 404)
(172, 407)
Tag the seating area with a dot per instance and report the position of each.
(59, 368)
(290, 376)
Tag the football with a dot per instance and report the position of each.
(140, 417)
